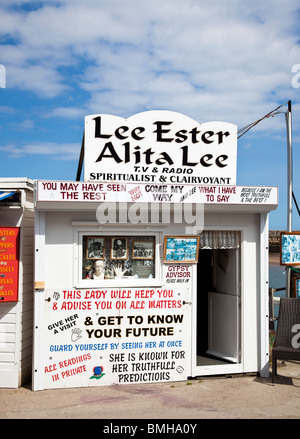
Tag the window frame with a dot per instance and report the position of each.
(79, 236)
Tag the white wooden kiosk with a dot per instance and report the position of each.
(16, 281)
(155, 267)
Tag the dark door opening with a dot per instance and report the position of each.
(204, 285)
(218, 307)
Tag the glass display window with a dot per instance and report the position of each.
(104, 259)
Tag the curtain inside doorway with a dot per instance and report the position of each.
(223, 239)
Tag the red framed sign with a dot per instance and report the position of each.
(9, 263)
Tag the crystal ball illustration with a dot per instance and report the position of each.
(98, 370)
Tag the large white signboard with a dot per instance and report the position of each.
(153, 193)
(159, 147)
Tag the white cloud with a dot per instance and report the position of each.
(7, 110)
(27, 124)
(216, 60)
(66, 112)
(43, 80)
(61, 151)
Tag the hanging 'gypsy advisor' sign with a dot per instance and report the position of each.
(155, 146)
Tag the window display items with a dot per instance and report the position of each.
(95, 247)
(181, 249)
(143, 250)
(119, 257)
(119, 248)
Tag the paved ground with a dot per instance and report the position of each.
(236, 397)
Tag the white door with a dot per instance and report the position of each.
(223, 306)
(223, 326)
(216, 313)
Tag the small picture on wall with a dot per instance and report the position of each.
(180, 249)
(94, 247)
(143, 250)
(119, 248)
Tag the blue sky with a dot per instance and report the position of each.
(226, 60)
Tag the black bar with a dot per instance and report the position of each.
(80, 160)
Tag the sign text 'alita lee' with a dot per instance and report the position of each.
(159, 147)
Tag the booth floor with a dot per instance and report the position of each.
(234, 397)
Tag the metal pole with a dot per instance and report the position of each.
(288, 117)
(79, 168)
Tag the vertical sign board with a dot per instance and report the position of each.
(9, 263)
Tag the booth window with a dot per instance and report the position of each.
(119, 257)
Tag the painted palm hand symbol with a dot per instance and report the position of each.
(76, 334)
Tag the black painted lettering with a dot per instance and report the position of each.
(98, 133)
(205, 137)
(220, 135)
(185, 161)
(181, 136)
(220, 161)
(165, 158)
(160, 131)
(112, 154)
(119, 131)
(204, 160)
(135, 135)
(194, 133)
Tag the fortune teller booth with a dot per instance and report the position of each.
(154, 267)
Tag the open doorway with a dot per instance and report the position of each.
(218, 332)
